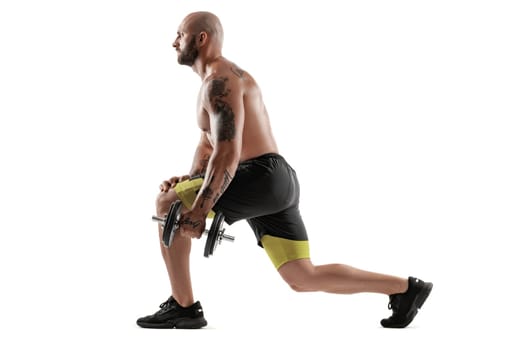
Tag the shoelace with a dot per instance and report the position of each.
(394, 303)
(166, 304)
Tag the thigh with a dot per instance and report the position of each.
(282, 251)
(164, 200)
(287, 224)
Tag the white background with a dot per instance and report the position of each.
(403, 120)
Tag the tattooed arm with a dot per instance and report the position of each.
(202, 156)
(224, 104)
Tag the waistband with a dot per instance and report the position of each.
(266, 156)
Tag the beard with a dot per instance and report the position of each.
(190, 53)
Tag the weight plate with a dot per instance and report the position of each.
(213, 234)
(172, 223)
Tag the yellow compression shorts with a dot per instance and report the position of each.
(282, 250)
(187, 192)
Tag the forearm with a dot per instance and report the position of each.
(219, 174)
(200, 160)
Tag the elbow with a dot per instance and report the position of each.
(229, 157)
(236, 157)
(233, 159)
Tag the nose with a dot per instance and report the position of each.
(176, 43)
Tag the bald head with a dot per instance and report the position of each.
(203, 21)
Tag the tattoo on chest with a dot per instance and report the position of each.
(217, 92)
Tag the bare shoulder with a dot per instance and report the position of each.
(233, 74)
(228, 82)
(225, 85)
(239, 72)
(246, 79)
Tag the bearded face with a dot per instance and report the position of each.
(189, 53)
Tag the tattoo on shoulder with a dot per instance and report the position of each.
(237, 71)
(217, 91)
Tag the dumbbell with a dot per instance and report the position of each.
(170, 224)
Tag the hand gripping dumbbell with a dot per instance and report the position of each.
(170, 224)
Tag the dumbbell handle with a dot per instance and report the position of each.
(224, 236)
(158, 219)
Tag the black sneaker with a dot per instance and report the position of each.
(172, 315)
(404, 306)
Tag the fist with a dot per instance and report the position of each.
(191, 224)
(167, 185)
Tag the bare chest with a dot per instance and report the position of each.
(203, 118)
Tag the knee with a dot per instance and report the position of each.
(299, 282)
(163, 202)
(298, 287)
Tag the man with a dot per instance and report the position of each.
(237, 169)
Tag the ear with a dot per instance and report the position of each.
(202, 38)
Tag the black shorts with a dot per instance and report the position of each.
(265, 192)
